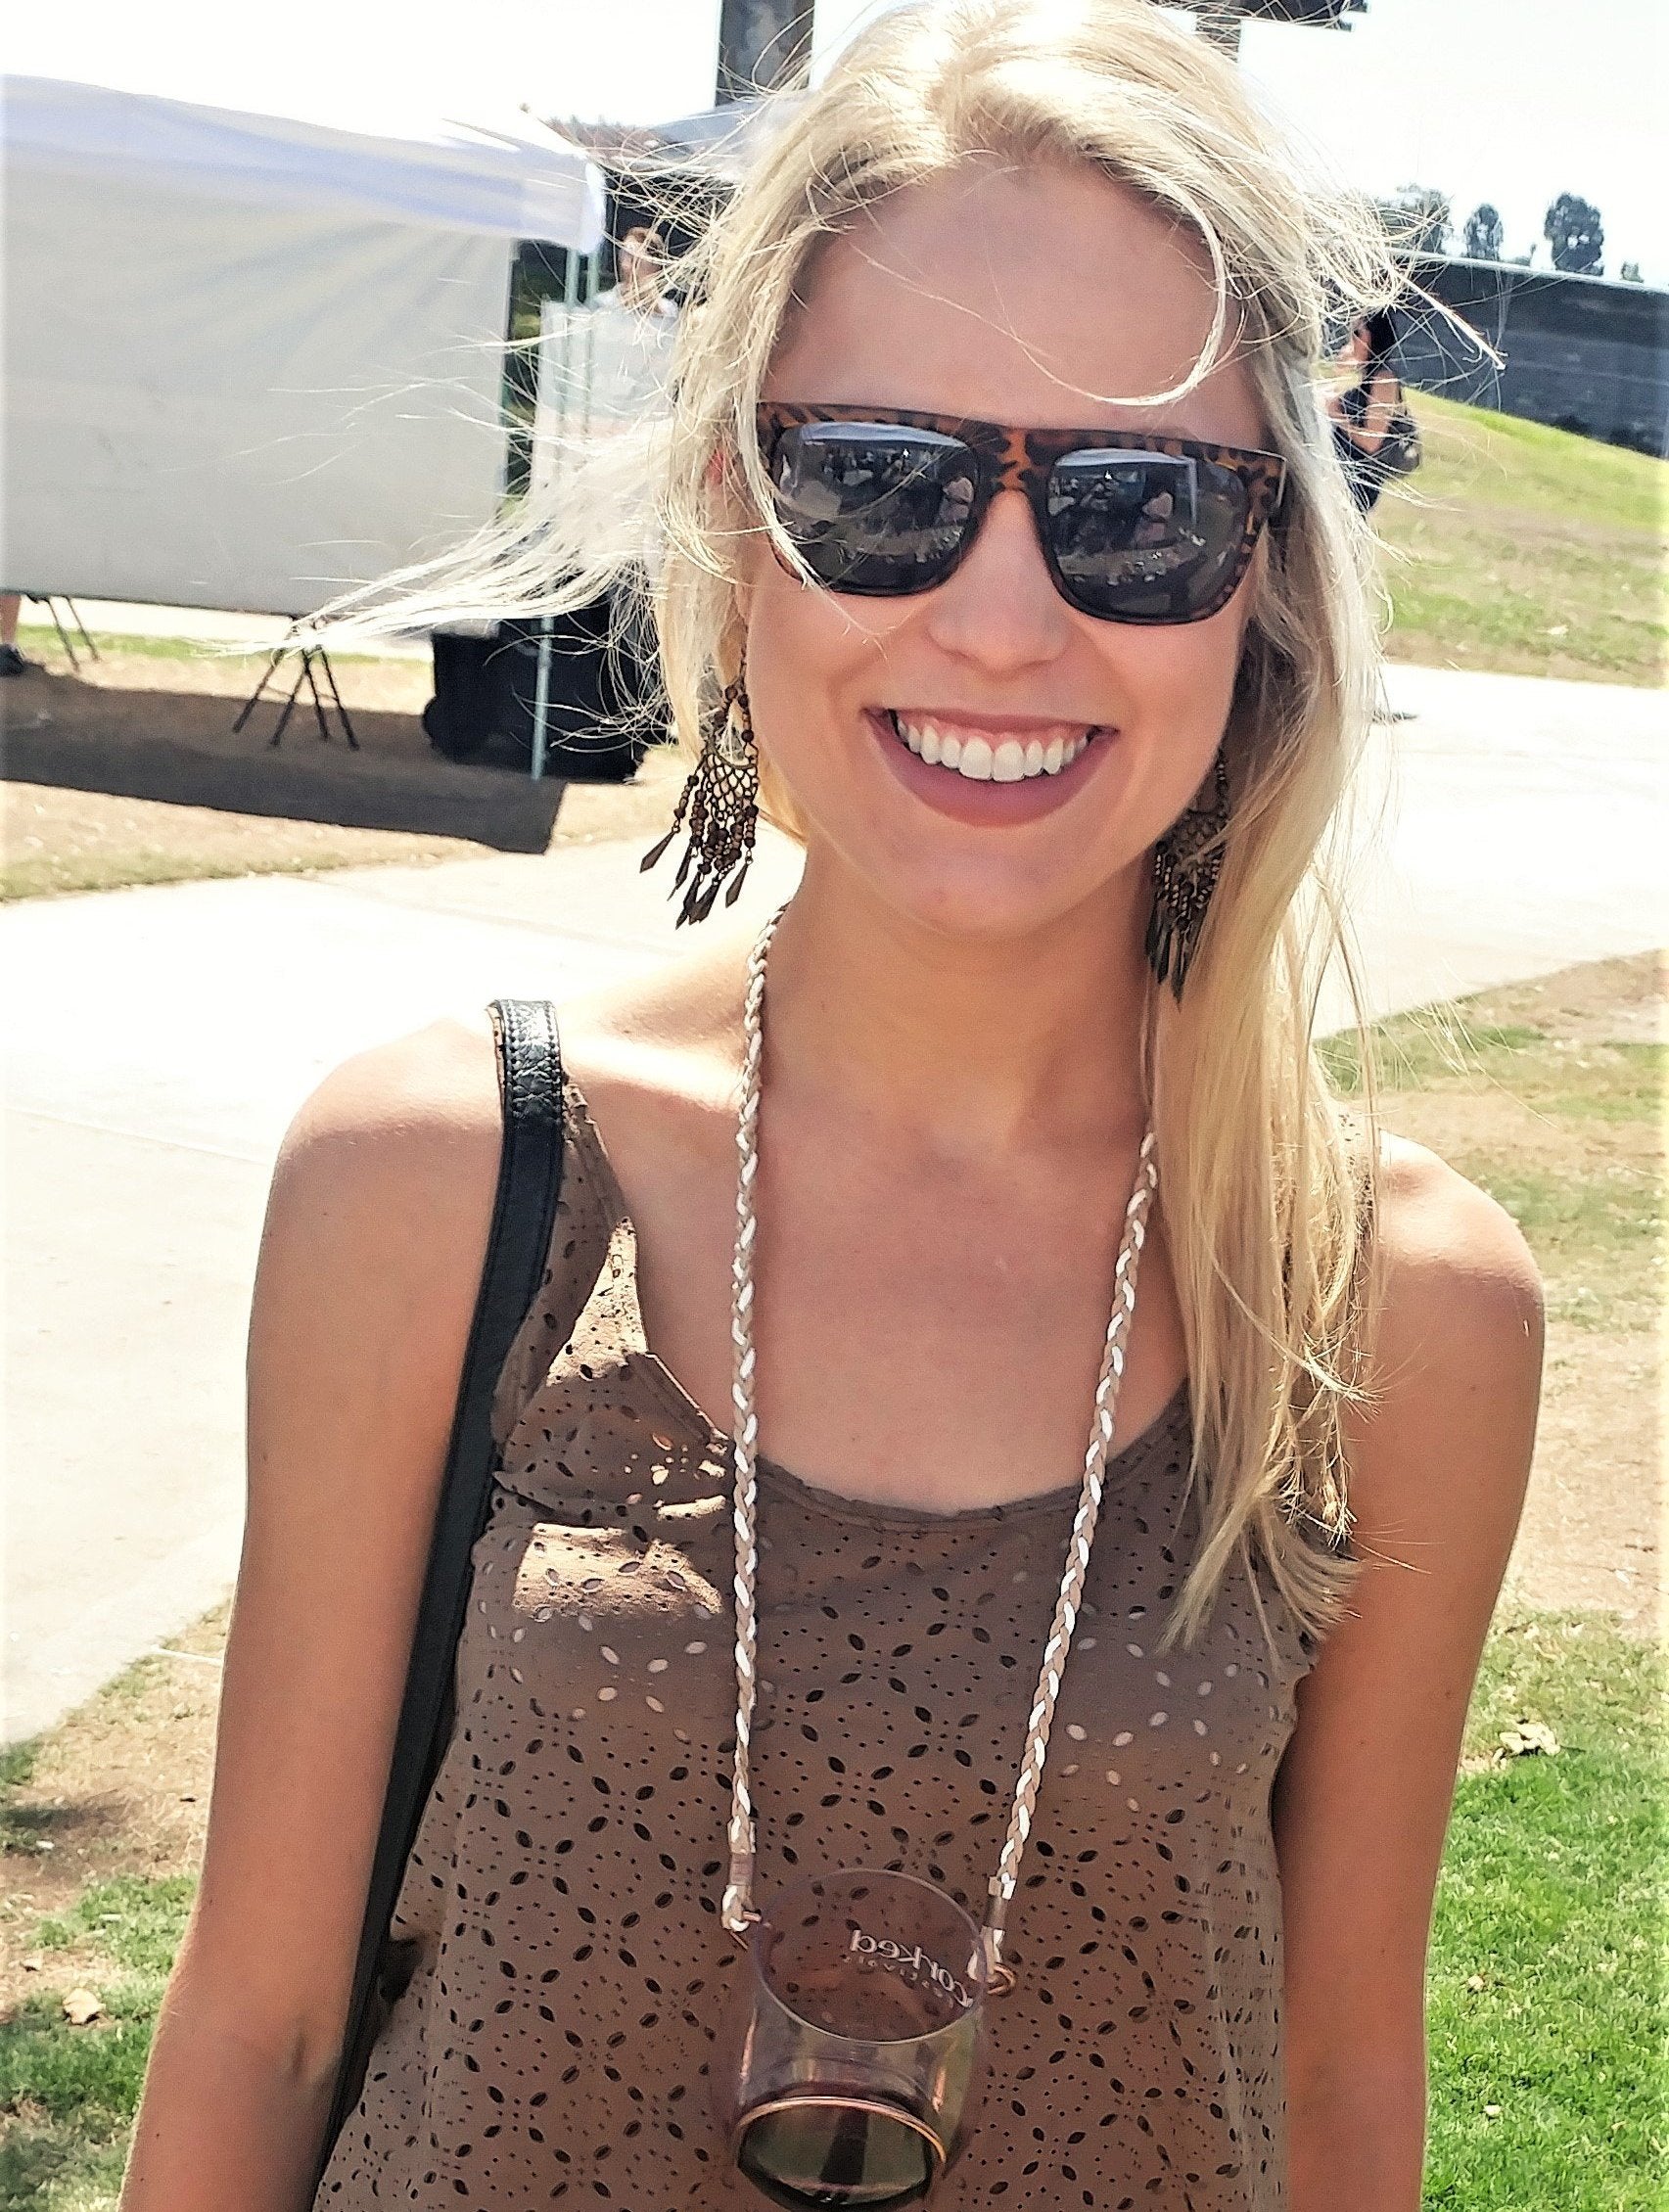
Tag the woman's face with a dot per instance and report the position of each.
(1355, 354)
(1006, 296)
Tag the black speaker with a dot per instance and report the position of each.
(596, 727)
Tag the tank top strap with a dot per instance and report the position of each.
(580, 1240)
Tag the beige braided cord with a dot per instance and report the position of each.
(1071, 1599)
(738, 1912)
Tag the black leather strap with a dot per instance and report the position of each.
(530, 1183)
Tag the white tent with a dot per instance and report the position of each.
(251, 359)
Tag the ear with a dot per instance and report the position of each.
(723, 471)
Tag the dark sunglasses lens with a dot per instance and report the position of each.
(836, 2156)
(874, 507)
(1145, 537)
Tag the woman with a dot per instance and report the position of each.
(1145, 670)
(1375, 436)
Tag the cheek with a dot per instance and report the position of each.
(1177, 685)
(813, 663)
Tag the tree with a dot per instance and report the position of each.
(1576, 235)
(1483, 234)
(1630, 273)
(1418, 219)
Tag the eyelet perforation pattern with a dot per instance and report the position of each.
(559, 1918)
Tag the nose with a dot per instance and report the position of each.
(1000, 608)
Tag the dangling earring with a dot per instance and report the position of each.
(1187, 863)
(720, 806)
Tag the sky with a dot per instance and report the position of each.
(1510, 101)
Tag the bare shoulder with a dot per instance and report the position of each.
(1455, 1362)
(399, 1101)
(1457, 1284)
(381, 1201)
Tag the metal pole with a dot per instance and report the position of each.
(541, 683)
(541, 697)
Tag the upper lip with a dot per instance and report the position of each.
(970, 719)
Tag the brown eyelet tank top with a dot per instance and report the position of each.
(559, 1912)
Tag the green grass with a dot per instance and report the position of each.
(1527, 549)
(1573, 1223)
(68, 2095)
(1544, 471)
(40, 641)
(135, 1922)
(1553, 1897)
(18, 1763)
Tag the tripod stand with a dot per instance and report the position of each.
(313, 661)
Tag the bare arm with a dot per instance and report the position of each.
(375, 1234)
(1384, 396)
(1363, 1798)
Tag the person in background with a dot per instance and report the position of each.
(12, 662)
(1374, 434)
(1374, 431)
(633, 322)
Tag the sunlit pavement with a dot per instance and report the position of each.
(160, 1039)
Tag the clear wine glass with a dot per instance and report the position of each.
(845, 2069)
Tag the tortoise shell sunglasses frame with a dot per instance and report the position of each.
(1009, 459)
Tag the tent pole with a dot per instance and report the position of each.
(542, 686)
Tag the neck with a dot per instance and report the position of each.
(964, 1045)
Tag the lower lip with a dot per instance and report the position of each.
(965, 800)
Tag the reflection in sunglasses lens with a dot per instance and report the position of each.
(873, 507)
(836, 2157)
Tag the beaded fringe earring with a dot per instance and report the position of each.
(1187, 863)
(719, 806)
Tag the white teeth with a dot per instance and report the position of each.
(1010, 760)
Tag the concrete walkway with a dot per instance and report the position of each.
(161, 1038)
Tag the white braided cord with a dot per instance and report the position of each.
(738, 1912)
(1071, 1599)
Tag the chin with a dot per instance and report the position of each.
(992, 897)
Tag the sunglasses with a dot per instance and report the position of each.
(1135, 527)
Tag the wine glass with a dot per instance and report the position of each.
(844, 2071)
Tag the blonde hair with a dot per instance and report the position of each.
(1267, 1185)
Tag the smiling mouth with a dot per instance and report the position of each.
(989, 756)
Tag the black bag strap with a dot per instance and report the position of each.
(523, 1212)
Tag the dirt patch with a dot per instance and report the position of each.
(1551, 1095)
(131, 772)
(1592, 1530)
(120, 1787)
(95, 841)
(1622, 1001)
